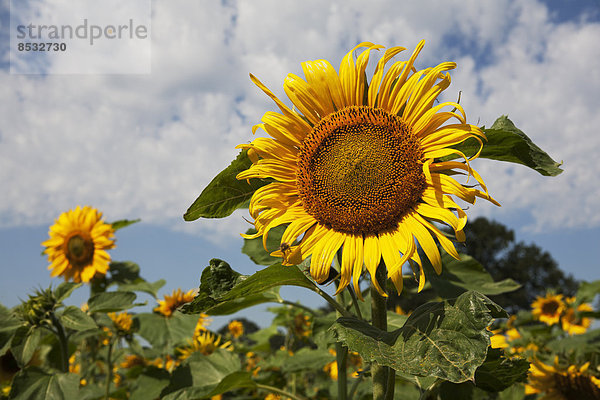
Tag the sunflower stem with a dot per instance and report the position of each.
(63, 341)
(280, 391)
(300, 306)
(379, 316)
(338, 307)
(109, 372)
(341, 355)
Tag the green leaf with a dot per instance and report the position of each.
(141, 285)
(498, 372)
(64, 290)
(254, 249)
(224, 194)
(24, 344)
(235, 380)
(73, 318)
(150, 384)
(234, 305)
(122, 223)
(306, 359)
(447, 340)
(123, 272)
(458, 277)
(220, 284)
(111, 302)
(201, 374)
(588, 291)
(8, 327)
(163, 332)
(505, 142)
(34, 384)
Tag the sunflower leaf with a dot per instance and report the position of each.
(506, 142)
(73, 318)
(588, 291)
(32, 383)
(64, 290)
(447, 340)
(111, 301)
(165, 332)
(223, 289)
(498, 372)
(122, 223)
(225, 194)
(254, 249)
(458, 277)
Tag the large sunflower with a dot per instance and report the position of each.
(172, 302)
(363, 166)
(548, 309)
(77, 245)
(556, 383)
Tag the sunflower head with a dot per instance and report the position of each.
(549, 308)
(77, 245)
(172, 302)
(572, 322)
(38, 309)
(122, 322)
(236, 328)
(366, 167)
(558, 383)
(205, 343)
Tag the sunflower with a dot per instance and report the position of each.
(364, 166)
(548, 309)
(172, 302)
(77, 245)
(571, 323)
(122, 321)
(236, 328)
(205, 343)
(557, 383)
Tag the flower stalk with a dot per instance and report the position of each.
(379, 320)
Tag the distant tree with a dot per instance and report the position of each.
(493, 245)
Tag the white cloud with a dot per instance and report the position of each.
(145, 146)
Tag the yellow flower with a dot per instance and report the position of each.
(332, 370)
(132, 360)
(498, 340)
(272, 396)
(302, 326)
(77, 245)
(557, 383)
(572, 324)
(171, 303)
(548, 309)
(206, 343)
(236, 328)
(363, 166)
(203, 322)
(122, 321)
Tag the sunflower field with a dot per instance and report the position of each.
(357, 193)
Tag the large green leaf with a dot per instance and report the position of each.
(24, 343)
(447, 340)
(111, 301)
(254, 249)
(588, 291)
(200, 375)
(64, 290)
(224, 194)
(34, 384)
(165, 332)
(140, 285)
(150, 384)
(499, 372)
(73, 318)
(506, 142)
(458, 277)
(220, 285)
(9, 324)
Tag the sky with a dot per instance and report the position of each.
(145, 145)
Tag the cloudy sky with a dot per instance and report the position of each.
(144, 146)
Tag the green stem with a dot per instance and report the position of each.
(281, 392)
(379, 315)
(355, 302)
(354, 387)
(341, 352)
(63, 341)
(290, 303)
(109, 372)
(391, 384)
(338, 307)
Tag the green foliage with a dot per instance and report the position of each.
(122, 223)
(499, 372)
(73, 318)
(111, 302)
(254, 248)
(447, 339)
(163, 332)
(224, 194)
(223, 290)
(506, 142)
(34, 384)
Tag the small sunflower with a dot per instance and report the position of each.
(571, 323)
(236, 328)
(548, 309)
(77, 245)
(556, 383)
(363, 166)
(172, 302)
(122, 321)
(205, 343)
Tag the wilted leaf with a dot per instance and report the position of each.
(448, 340)
(34, 384)
(505, 142)
(224, 194)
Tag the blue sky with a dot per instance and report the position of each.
(144, 146)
